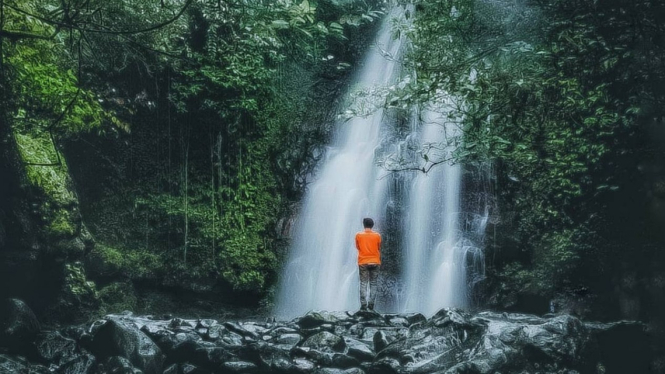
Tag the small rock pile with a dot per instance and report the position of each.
(452, 341)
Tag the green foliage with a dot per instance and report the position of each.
(107, 261)
(61, 224)
(47, 89)
(118, 297)
(228, 92)
(77, 289)
(237, 98)
(552, 94)
(44, 84)
(45, 103)
(52, 180)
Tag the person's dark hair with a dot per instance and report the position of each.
(368, 223)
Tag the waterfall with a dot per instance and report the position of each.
(439, 244)
(442, 234)
(321, 270)
(434, 276)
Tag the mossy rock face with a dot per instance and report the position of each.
(77, 284)
(104, 261)
(61, 224)
(46, 168)
(47, 176)
(118, 297)
(78, 294)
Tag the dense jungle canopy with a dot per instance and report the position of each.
(165, 145)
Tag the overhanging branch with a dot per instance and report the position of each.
(73, 25)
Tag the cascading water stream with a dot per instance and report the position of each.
(321, 272)
(448, 211)
(439, 241)
(434, 275)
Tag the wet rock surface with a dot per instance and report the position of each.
(450, 342)
(18, 324)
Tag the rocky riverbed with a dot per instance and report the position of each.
(451, 341)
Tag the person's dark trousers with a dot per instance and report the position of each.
(369, 274)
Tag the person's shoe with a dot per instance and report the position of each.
(371, 307)
(363, 308)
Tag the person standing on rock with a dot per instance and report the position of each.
(368, 244)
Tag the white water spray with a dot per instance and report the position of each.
(434, 275)
(321, 272)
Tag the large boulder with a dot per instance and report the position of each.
(18, 325)
(116, 338)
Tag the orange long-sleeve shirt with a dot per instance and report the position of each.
(368, 243)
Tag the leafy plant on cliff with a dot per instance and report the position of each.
(556, 94)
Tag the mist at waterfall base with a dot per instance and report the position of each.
(431, 252)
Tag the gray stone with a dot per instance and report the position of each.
(206, 323)
(116, 338)
(303, 364)
(9, 364)
(384, 366)
(356, 330)
(54, 348)
(255, 328)
(215, 332)
(240, 330)
(179, 322)
(173, 369)
(399, 321)
(380, 340)
(339, 371)
(83, 364)
(191, 369)
(18, 325)
(315, 319)
(271, 356)
(415, 318)
(281, 330)
(325, 341)
(288, 339)
(202, 353)
(118, 365)
(169, 341)
(359, 350)
(320, 357)
(340, 360)
(240, 367)
(231, 338)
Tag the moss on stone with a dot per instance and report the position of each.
(105, 261)
(61, 225)
(118, 297)
(77, 284)
(143, 264)
(52, 180)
